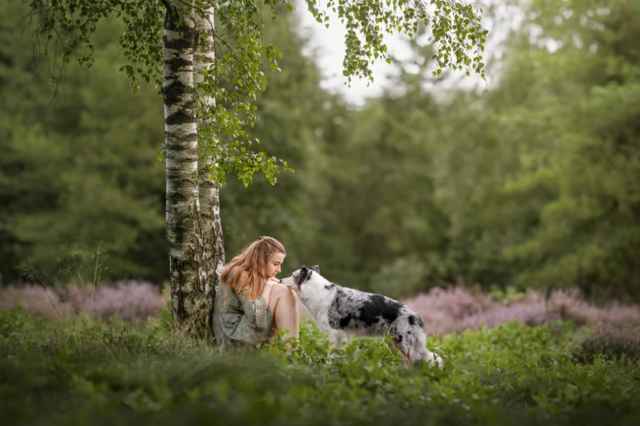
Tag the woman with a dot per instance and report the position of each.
(251, 304)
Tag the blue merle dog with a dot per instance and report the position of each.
(337, 308)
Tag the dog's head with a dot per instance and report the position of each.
(300, 276)
(310, 284)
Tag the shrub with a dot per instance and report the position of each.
(130, 300)
(456, 309)
(611, 340)
(35, 299)
(444, 309)
(84, 371)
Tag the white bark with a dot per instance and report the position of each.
(194, 227)
(181, 153)
(213, 256)
(209, 190)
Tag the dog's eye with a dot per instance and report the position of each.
(329, 286)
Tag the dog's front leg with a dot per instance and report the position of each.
(338, 338)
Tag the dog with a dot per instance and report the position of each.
(338, 308)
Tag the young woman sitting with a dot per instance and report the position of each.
(251, 304)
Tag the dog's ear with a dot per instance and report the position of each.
(316, 268)
(303, 275)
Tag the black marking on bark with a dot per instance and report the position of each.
(174, 92)
(176, 268)
(173, 21)
(176, 198)
(181, 43)
(178, 63)
(180, 117)
(177, 176)
(178, 141)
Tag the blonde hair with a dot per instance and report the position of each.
(246, 273)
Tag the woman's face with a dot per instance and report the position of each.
(274, 264)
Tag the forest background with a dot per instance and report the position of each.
(531, 183)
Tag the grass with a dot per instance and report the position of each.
(85, 371)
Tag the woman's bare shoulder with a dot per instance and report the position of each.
(280, 286)
(283, 290)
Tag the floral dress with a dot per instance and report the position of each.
(238, 320)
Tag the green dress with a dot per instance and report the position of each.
(239, 321)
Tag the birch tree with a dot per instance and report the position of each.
(210, 248)
(207, 58)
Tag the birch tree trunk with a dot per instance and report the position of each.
(211, 256)
(181, 153)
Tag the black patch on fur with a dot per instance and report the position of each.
(370, 312)
(304, 275)
(344, 321)
(378, 306)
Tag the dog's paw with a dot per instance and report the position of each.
(435, 360)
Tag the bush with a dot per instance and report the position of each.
(456, 309)
(128, 300)
(611, 340)
(84, 371)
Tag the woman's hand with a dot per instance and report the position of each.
(273, 280)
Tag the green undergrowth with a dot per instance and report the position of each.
(82, 371)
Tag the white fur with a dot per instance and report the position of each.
(339, 309)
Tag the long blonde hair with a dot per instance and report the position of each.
(247, 272)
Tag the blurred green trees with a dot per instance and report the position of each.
(80, 178)
(588, 85)
(532, 182)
